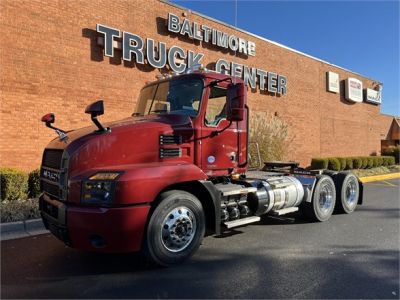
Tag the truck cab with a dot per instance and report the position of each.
(160, 179)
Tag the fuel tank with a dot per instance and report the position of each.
(275, 193)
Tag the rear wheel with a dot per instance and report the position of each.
(176, 228)
(348, 189)
(323, 200)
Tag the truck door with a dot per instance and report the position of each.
(219, 142)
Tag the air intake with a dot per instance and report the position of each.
(170, 152)
(170, 139)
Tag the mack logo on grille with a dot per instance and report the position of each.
(51, 175)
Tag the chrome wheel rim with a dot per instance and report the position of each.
(351, 192)
(325, 197)
(178, 229)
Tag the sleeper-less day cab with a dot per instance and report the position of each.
(175, 170)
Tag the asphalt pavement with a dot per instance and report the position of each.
(350, 256)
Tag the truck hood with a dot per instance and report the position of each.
(130, 141)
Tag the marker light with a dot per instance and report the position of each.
(105, 176)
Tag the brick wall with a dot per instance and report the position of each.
(50, 63)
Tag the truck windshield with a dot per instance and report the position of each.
(177, 96)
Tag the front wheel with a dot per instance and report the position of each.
(176, 228)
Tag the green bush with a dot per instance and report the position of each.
(342, 161)
(385, 161)
(14, 184)
(333, 164)
(319, 163)
(34, 183)
(390, 160)
(379, 160)
(349, 163)
(357, 162)
(370, 162)
(375, 161)
(364, 162)
(394, 152)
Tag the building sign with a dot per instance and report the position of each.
(354, 90)
(332, 80)
(158, 55)
(373, 96)
(210, 35)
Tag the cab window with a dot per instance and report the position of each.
(216, 110)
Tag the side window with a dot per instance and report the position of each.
(216, 110)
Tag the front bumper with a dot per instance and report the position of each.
(118, 229)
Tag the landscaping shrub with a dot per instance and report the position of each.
(34, 183)
(319, 163)
(333, 164)
(272, 135)
(357, 162)
(379, 160)
(364, 162)
(349, 163)
(342, 161)
(390, 160)
(14, 184)
(19, 210)
(370, 162)
(393, 151)
(375, 161)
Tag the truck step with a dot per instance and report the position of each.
(284, 211)
(240, 222)
(233, 189)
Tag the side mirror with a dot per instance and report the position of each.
(49, 118)
(235, 102)
(95, 109)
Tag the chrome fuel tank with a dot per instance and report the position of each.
(275, 193)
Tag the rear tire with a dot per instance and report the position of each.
(348, 190)
(176, 228)
(323, 200)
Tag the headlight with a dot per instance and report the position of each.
(99, 189)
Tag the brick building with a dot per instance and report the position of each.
(53, 60)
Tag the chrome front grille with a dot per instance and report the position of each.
(54, 173)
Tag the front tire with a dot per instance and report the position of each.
(176, 228)
(323, 200)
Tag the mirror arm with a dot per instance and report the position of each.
(215, 82)
(97, 123)
(54, 128)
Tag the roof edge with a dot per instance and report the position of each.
(265, 39)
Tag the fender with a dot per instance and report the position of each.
(141, 183)
(216, 199)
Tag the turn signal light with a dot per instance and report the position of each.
(105, 176)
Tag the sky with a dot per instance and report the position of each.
(362, 36)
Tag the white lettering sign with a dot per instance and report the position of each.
(210, 35)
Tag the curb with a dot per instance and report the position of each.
(15, 230)
(372, 178)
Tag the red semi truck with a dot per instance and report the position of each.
(174, 171)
